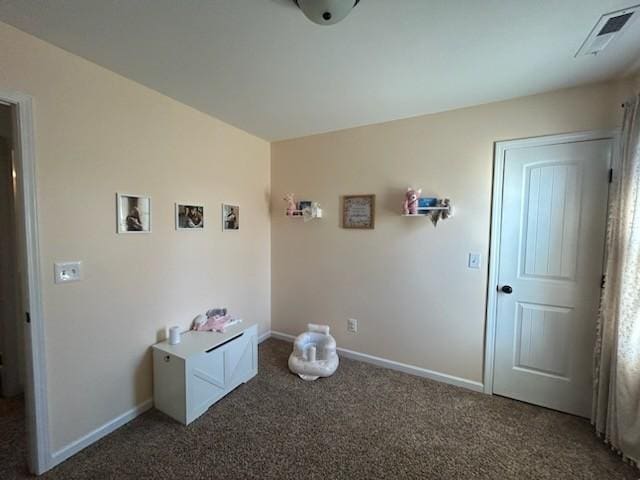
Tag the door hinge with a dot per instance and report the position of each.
(28, 317)
(610, 175)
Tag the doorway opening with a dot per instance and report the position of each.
(13, 436)
(24, 438)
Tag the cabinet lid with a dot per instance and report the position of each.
(192, 342)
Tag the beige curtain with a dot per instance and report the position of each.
(616, 398)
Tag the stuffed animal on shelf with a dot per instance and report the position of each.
(410, 205)
(291, 204)
(442, 214)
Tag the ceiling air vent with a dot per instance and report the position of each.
(609, 25)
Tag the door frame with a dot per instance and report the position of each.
(36, 409)
(500, 150)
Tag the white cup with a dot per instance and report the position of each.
(174, 335)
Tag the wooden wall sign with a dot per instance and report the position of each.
(358, 211)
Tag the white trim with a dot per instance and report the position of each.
(501, 149)
(401, 367)
(282, 336)
(95, 435)
(83, 442)
(36, 371)
(264, 336)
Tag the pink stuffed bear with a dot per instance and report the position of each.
(291, 204)
(410, 205)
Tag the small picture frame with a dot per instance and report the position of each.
(189, 216)
(358, 211)
(133, 213)
(302, 205)
(230, 217)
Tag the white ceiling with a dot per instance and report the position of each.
(262, 66)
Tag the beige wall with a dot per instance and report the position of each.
(98, 134)
(407, 282)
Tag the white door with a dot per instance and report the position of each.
(554, 212)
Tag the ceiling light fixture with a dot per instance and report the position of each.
(326, 12)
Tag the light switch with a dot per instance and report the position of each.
(67, 272)
(474, 260)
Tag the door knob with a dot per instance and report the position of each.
(507, 289)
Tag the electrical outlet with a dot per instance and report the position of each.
(352, 325)
(66, 272)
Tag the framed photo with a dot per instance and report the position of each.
(358, 211)
(189, 216)
(302, 205)
(133, 213)
(230, 217)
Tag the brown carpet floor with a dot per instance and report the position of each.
(13, 440)
(364, 422)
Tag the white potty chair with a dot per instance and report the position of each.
(314, 353)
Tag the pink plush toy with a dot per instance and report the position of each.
(410, 205)
(291, 204)
(212, 324)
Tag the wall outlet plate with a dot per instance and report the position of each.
(352, 325)
(66, 272)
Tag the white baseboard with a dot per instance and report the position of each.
(91, 437)
(112, 425)
(264, 336)
(282, 336)
(401, 367)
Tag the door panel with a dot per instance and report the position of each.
(240, 360)
(552, 245)
(208, 381)
(542, 331)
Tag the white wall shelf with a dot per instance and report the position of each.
(426, 211)
(442, 211)
(305, 214)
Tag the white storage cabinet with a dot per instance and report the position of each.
(193, 375)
